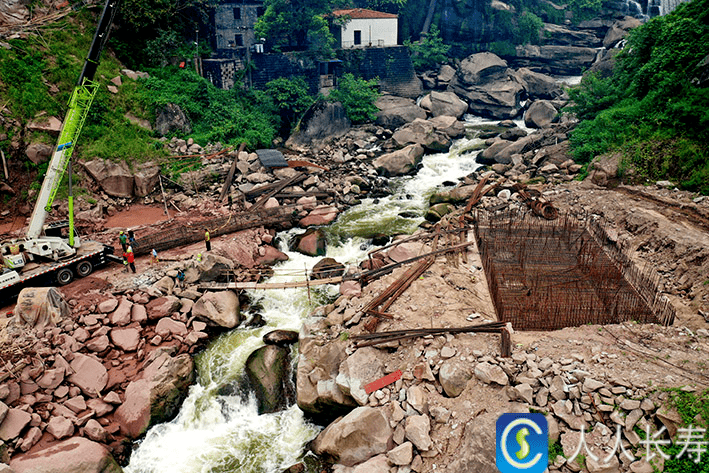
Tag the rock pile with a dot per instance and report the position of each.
(107, 370)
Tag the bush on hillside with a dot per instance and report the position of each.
(227, 116)
(650, 107)
(358, 97)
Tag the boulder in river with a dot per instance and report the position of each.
(268, 370)
(400, 162)
(311, 243)
(157, 395)
(397, 111)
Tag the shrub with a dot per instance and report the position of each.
(358, 97)
(429, 52)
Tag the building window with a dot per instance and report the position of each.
(357, 37)
(237, 13)
(238, 40)
(260, 11)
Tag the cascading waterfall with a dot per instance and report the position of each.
(224, 433)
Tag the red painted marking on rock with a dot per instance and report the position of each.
(381, 382)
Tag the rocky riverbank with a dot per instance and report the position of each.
(114, 357)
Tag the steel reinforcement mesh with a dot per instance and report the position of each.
(547, 275)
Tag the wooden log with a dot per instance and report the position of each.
(230, 175)
(282, 184)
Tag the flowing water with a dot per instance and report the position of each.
(224, 433)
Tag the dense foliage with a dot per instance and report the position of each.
(291, 99)
(227, 116)
(358, 97)
(38, 74)
(651, 108)
(430, 52)
(151, 32)
(297, 25)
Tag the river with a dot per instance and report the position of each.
(224, 433)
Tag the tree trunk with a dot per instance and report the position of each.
(429, 17)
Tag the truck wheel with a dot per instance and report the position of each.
(84, 268)
(64, 276)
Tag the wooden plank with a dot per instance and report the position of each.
(282, 184)
(276, 285)
(230, 175)
(382, 382)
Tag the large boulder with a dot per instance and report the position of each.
(219, 308)
(400, 162)
(484, 82)
(502, 151)
(162, 307)
(268, 370)
(454, 377)
(557, 34)
(480, 68)
(75, 455)
(322, 122)
(211, 268)
(14, 421)
(157, 395)
(320, 215)
(170, 118)
(397, 111)
(421, 132)
(39, 307)
(357, 370)
(146, 178)
(327, 268)
(318, 365)
(89, 374)
(477, 449)
(444, 104)
(114, 178)
(451, 126)
(312, 243)
(540, 114)
(357, 437)
(38, 152)
(438, 211)
(555, 59)
(454, 196)
(539, 86)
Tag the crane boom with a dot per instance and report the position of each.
(79, 105)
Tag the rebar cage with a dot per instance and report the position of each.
(547, 275)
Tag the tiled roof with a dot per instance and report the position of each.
(362, 13)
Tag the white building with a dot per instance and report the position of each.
(359, 28)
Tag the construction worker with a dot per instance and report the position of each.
(199, 257)
(154, 257)
(131, 238)
(123, 239)
(206, 239)
(181, 278)
(130, 258)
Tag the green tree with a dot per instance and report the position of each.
(358, 97)
(429, 52)
(148, 31)
(296, 25)
(290, 98)
(651, 108)
(529, 26)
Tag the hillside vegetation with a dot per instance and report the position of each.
(651, 108)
